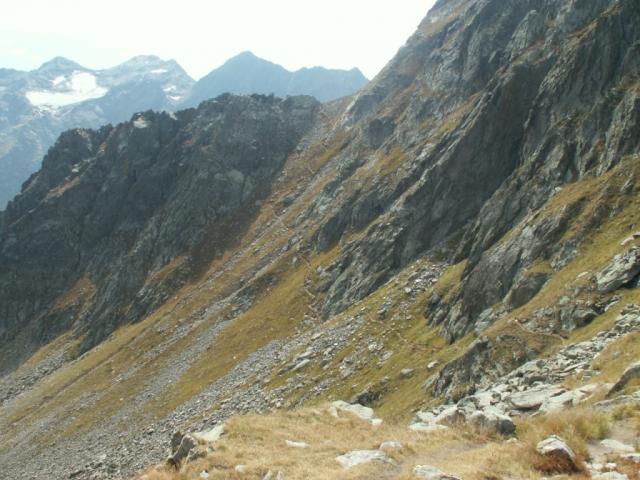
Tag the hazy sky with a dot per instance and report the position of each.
(202, 34)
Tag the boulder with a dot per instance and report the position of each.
(450, 416)
(427, 472)
(358, 457)
(562, 458)
(493, 421)
(622, 269)
(564, 400)
(360, 411)
(187, 444)
(533, 398)
(210, 436)
(631, 373)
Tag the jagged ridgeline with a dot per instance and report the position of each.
(412, 244)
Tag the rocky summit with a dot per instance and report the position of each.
(436, 277)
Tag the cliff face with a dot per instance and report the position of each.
(113, 205)
(493, 106)
(458, 212)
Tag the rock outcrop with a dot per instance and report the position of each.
(132, 212)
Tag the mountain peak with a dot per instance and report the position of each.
(60, 63)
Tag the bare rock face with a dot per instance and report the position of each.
(622, 270)
(119, 203)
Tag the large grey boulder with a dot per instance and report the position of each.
(492, 421)
(532, 399)
(622, 269)
(557, 450)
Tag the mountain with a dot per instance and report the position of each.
(246, 73)
(456, 245)
(36, 106)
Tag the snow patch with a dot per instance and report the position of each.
(58, 80)
(140, 122)
(169, 88)
(82, 86)
(175, 98)
(159, 70)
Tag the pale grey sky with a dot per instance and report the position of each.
(202, 34)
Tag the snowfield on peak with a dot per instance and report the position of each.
(80, 87)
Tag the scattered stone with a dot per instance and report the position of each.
(204, 474)
(432, 365)
(240, 468)
(610, 476)
(617, 447)
(407, 372)
(301, 365)
(427, 472)
(391, 445)
(295, 444)
(631, 457)
(365, 413)
(270, 475)
(358, 457)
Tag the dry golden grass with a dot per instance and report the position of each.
(259, 443)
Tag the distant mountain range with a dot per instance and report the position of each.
(36, 106)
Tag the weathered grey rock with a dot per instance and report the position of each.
(296, 444)
(557, 449)
(428, 472)
(358, 410)
(631, 373)
(210, 436)
(359, 457)
(187, 444)
(614, 446)
(451, 416)
(534, 398)
(390, 445)
(407, 372)
(492, 421)
(562, 401)
(622, 269)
